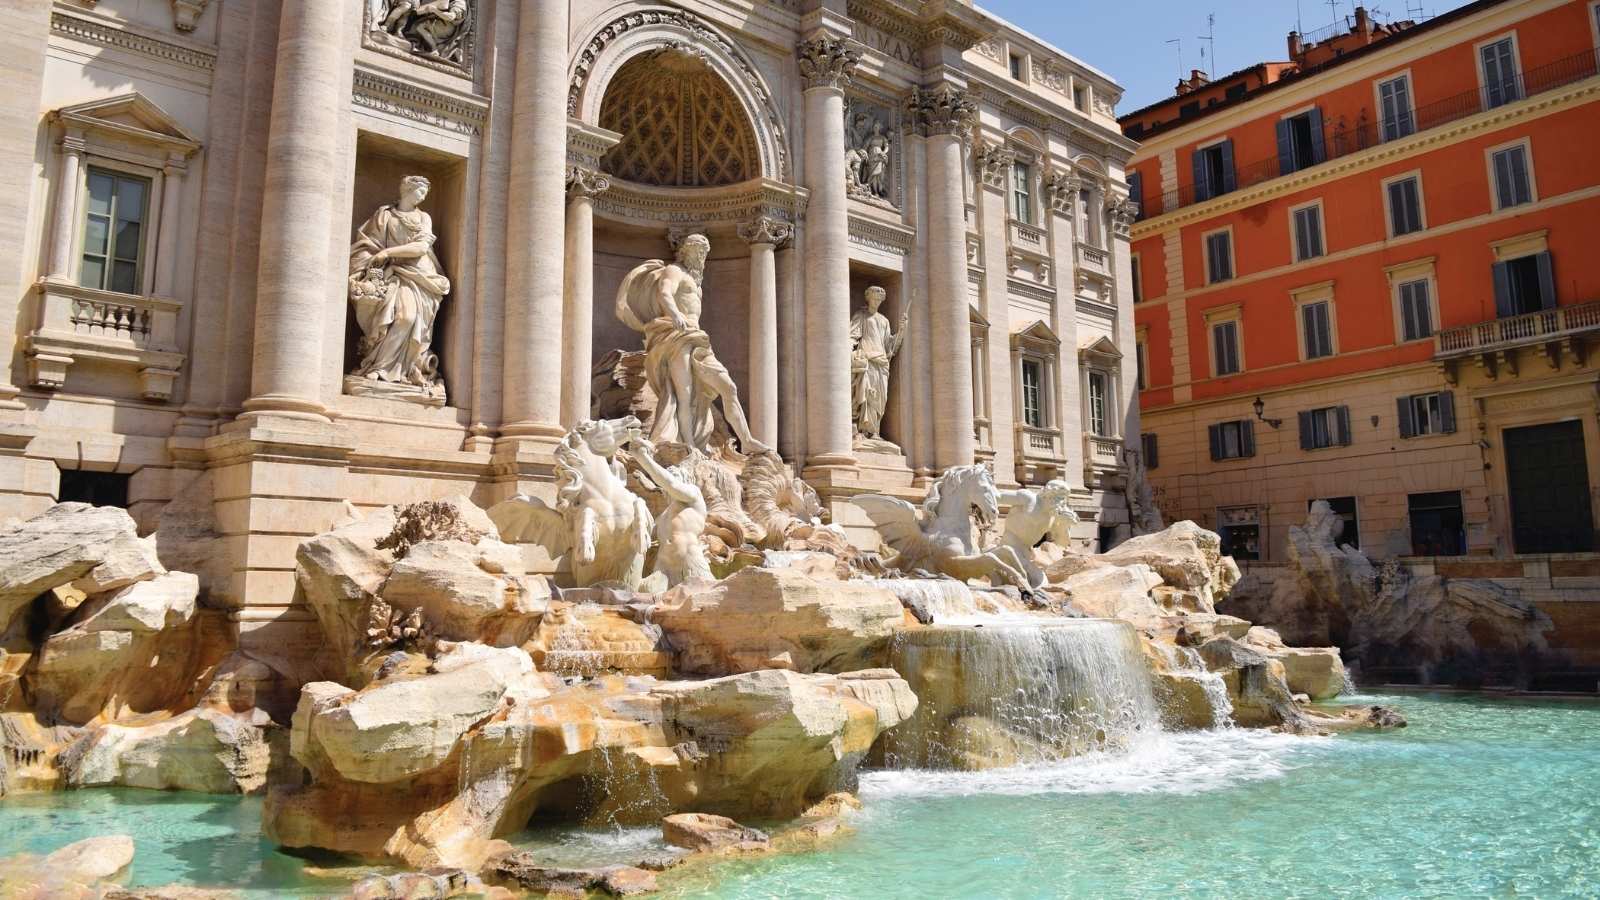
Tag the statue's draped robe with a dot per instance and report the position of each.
(399, 323)
(639, 308)
(873, 346)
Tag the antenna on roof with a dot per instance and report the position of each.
(1210, 37)
(1333, 10)
(1179, 49)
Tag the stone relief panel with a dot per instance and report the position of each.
(872, 152)
(437, 32)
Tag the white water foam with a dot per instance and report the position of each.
(1164, 763)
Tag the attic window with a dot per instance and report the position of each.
(1016, 66)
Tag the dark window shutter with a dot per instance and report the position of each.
(1408, 424)
(1502, 291)
(1247, 438)
(1305, 431)
(1152, 455)
(1285, 148)
(1319, 146)
(1136, 191)
(1547, 281)
(1344, 425)
(1202, 188)
(1447, 412)
(1229, 179)
(1216, 441)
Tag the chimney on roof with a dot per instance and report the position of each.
(1295, 45)
(1363, 22)
(1196, 80)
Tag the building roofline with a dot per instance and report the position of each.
(1007, 23)
(1294, 78)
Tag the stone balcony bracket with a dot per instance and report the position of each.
(126, 331)
(1559, 335)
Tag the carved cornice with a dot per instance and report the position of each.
(419, 104)
(97, 32)
(587, 183)
(993, 163)
(729, 206)
(941, 110)
(766, 230)
(827, 62)
(882, 236)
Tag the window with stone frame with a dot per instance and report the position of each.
(1512, 175)
(115, 213)
(1099, 398)
(1033, 411)
(1328, 426)
(1022, 192)
(1232, 440)
(1425, 414)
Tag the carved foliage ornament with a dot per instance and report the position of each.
(766, 230)
(1062, 189)
(942, 110)
(994, 164)
(827, 62)
(582, 182)
(1123, 212)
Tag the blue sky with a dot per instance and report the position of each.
(1127, 39)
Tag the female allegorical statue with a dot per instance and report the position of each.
(396, 287)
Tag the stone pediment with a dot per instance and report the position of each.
(128, 118)
(1101, 346)
(1037, 333)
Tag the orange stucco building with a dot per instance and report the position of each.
(1370, 274)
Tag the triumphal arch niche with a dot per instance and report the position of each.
(674, 132)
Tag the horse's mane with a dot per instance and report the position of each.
(955, 478)
(569, 472)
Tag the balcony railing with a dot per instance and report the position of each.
(1094, 260)
(1100, 452)
(1025, 237)
(1531, 328)
(1039, 444)
(1342, 138)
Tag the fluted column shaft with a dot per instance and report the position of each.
(825, 66)
(577, 322)
(536, 224)
(66, 208)
(311, 87)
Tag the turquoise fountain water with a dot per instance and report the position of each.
(1480, 796)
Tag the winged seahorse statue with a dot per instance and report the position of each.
(938, 537)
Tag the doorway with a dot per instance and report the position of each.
(1547, 477)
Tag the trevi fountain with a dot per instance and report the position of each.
(678, 664)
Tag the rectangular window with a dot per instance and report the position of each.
(1022, 193)
(1524, 285)
(1512, 186)
(1080, 98)
(1137, 283)
(1032, 393)
(1099, 394)
(1316, 327)
(1139, 350)
(1088, 230)
(1394, 98)
(1344, 508)
(1325, 427)
(1150, 447)
(1431, 413)
(1219, 257)
(1307, 233)
(1405, 206)
(1416, 311)
(1016, 66)
(1499, 74)
(1213, 171)
(113, 232)
(1225, 347)
(1300, 142)
(1233, 440)
(1437, 526)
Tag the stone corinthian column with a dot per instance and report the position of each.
(577, 323)
(764, 235)
(946, 116)
(536, 225)
(826, 64)
(310, 88)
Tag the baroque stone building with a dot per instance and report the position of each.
(180, 299)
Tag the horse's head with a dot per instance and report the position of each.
(963, 488)
(605, 437)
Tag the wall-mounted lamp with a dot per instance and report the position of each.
(1261, 407)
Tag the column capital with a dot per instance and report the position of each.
(827, 62)
(1062, 189)
(73, 143)
(993, 162)
(1123, 212)
(766, 230)
(941, 110)
(586, 183)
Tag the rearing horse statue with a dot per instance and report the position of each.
(938, 538)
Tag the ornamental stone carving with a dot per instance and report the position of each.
(186, 13)
(396, 286)
(1061, 188)
(436, 30)
(994, 163)
(941, 110)
(827, 62)
(587, 183)
(766, 230)
(1123, 212)
(868, 151)
(872, 348)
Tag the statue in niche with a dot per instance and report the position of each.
(872, 348)
(396, 287)
(662, 300)
(1034, 514)
(432, 28)
(867, 155)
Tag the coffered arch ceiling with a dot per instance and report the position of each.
(681, 124)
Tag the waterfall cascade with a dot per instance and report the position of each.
(1185, 663)
(1009, 693)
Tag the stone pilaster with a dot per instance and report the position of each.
(945, 117)
(765, 235)
(536, 225)
(994, 165)
(65, 224)
(167, 256)
(826, 65)
(1061, 194)
(577, 323)
(311, 89)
